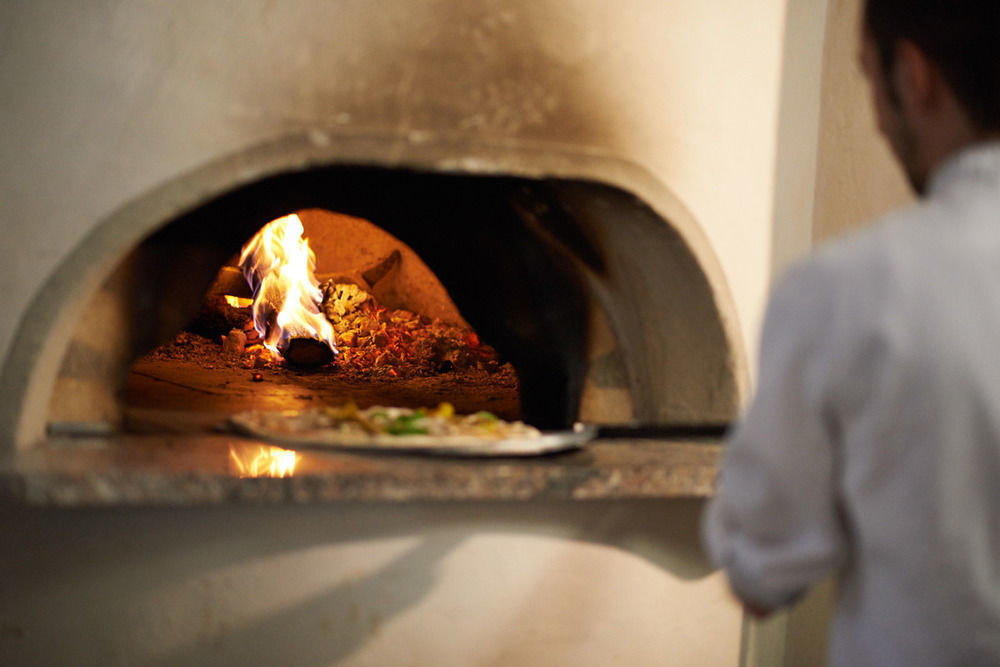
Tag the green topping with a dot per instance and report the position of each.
(407, 425)
(486, 416)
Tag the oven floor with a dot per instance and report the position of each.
(170, 395)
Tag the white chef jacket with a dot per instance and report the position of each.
(872, 445)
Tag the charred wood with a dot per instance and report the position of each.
(216, 318)
(306, 353)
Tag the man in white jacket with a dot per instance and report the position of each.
(872, 446)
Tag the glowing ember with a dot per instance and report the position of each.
(238, 302)
(278, 264)
(263, 461)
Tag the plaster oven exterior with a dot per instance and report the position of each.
(130, 116)
(533, 262)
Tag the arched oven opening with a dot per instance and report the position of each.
(582, 301)
(319, 309)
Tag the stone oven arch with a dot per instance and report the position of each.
(596, 224)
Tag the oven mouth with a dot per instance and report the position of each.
(320, 310)
(583, 272)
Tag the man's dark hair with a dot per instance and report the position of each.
(961, 37)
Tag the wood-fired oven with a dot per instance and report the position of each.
(574, 282)
(583, 189)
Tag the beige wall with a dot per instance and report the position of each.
(856, 177)
(360, 584)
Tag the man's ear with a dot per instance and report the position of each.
(914, 77)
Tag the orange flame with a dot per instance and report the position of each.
(263, 461)
(279, 264)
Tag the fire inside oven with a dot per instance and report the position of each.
(321, 308)
(549, 300)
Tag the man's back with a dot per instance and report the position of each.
(876, 445)
(921, 425)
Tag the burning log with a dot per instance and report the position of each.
(217, 317)
(306, 353)
(278, 264)
(305, 322)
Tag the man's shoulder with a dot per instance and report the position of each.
(875, 242)
(861, 256)
(858, 276)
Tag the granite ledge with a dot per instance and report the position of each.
(166, 470)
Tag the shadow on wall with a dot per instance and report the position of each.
(331, 624)
(272, 586)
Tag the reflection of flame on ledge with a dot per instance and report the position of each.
(262, 461)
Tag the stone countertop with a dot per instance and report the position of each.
(166, 470)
